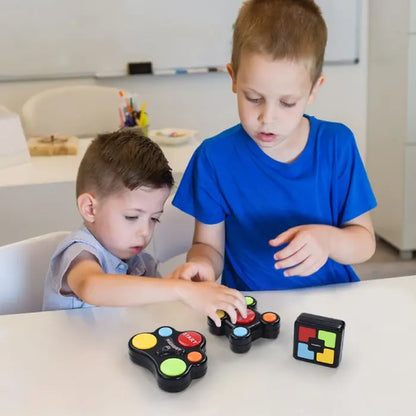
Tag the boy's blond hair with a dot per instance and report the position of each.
(123, 159)
(282, 29)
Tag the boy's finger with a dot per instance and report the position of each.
(291, 249)
(284, 237)
(304, 268)
(231, 311)
(242, 308)
(216, 319)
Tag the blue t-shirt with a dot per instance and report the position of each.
(229, 178)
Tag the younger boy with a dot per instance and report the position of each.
(281, 200)
(122, 185)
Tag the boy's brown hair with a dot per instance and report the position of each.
(121, 159)
(282, 29)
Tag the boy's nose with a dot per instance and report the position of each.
(267, 114)
(143, 230)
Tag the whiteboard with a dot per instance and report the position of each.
(59, 38)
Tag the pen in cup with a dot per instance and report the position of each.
(129, 107)
(142, 118)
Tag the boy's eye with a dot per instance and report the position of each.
(131, 218)
(288, 105)
(253, 100)
(155, 219)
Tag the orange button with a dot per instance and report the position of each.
(269, 317)
(194, 356)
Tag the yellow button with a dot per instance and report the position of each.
(220, 313)
(144, 341)
(327, 356)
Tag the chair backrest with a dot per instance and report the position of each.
(79, 110)
(173, 236)
(23, 267)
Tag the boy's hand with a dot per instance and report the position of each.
(196, 272)
(208, 297)
(307, 250)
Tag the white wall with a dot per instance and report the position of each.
(205, 102)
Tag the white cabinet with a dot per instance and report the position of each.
(391, 150)
(412, 26)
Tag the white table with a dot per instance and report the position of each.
(76, 362)
(39, 196)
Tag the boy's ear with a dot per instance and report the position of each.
(315, 88)
(233, 77)
(86, 207)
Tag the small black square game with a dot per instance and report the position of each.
(318, 339)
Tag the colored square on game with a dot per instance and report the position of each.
(305, 352)
(326, 357)
(318, 339)
(329, 338)
(305, 333)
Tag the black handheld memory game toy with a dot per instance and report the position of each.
(174, 357)
(318, 339)
(245, 330)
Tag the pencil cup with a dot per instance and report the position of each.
(143, 123)
(144, 129)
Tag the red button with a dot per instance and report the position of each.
(190, 339)
(250, 317)
(305, 333)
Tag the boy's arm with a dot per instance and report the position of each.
(309, 246)
(205, 258)
(88, 281)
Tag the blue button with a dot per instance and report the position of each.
(305, 352)
(240, 331)
(165, 331)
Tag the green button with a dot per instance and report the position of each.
(173, 367)
(249, 300)
(328, 337)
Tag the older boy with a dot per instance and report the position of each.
(281, 200)
(122, 185)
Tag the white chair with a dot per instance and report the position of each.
(79, 110)
(172, 238)
(23, 267)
